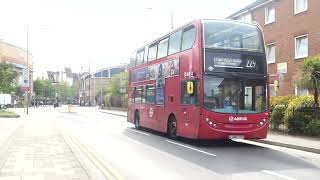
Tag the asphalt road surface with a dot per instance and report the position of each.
(144, 154)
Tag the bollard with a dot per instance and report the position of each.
(69, 107)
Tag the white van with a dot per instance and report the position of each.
(5, 101)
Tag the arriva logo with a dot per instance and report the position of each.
(238, 118)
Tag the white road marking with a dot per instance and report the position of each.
(278, 175)
(189, 147)
(139, 132)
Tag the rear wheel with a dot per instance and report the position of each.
(172, 127)
(137, 120)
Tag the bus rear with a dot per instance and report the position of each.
(234, 83)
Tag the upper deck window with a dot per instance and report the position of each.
(163, 48)
(140, 55)
(232, 35)
(188, 37)
(152, 55)
(175, 42)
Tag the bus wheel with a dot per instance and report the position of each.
(172, 127)
(137, 120)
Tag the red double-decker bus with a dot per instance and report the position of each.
(205, 80)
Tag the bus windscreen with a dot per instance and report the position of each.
(231, 35)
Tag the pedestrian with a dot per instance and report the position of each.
(15, 103)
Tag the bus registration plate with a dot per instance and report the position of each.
(236, 137)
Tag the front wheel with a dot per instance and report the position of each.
(172, 128)
(137, 120)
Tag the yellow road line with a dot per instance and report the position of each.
(106, 169)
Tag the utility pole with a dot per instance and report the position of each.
(89, 85)
(101, 86)
(171, 18)
(28, 73)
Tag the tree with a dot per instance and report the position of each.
(8, 76)
(310, 76)
(115, 92)
(64, 90)
(43, 88)
(75, 89)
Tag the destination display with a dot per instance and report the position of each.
(156, 71)
(233, 62)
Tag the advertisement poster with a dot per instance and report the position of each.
(160, 91)
(153, 72)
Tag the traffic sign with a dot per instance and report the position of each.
(25, 79)
(24, 89)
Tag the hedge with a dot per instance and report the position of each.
(294, 113)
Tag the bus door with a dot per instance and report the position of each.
(151, 109)
(189, 109)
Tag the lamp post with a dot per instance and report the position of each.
(101, 86)
(28, 72)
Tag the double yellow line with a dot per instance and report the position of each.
(106, 169)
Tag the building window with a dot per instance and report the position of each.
(175, 42)
(246, 18)
(188, 37)
(271, 90)
(270, 15)
(301, 47)
(271, 53)
(163, 48)
(300, 6)
(301, 91)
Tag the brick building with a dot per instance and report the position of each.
(292, 32)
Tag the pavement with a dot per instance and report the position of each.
(37, 148)
(303, 143)
(116, 147)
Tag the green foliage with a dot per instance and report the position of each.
(297, 102)
(310, 76)
(313, 128)
(17, 90)
(64, 90)
(293, 111)
(116, 92)
(125, 101)
(75, 88)
(280, 100)
(277, 116)
(43, 88)
(118, 84)
(8, 74)
(298, 122)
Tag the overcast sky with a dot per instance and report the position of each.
(72, 32)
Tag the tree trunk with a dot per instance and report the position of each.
(316, 96)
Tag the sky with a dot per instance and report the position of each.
(102, 33)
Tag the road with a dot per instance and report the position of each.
(145, 154)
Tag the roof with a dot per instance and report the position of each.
(9, 44)
(251, 6)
